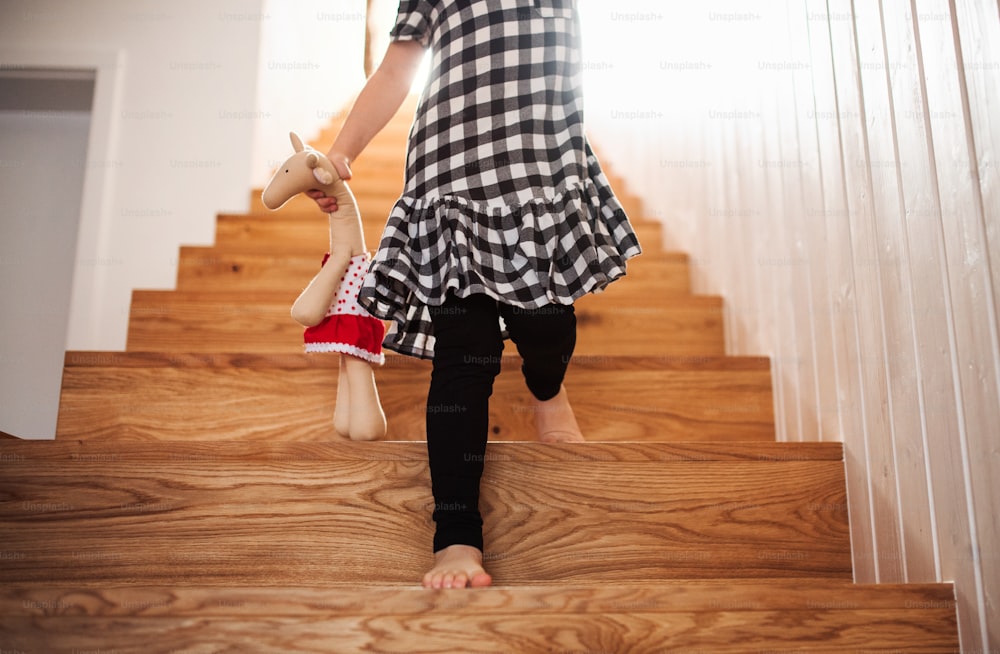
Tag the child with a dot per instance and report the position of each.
(505, 214)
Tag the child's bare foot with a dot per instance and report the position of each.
(458, 566)
(555, 421)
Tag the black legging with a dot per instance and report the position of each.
(467, 350)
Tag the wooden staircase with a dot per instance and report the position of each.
(196, 498)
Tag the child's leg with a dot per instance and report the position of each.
(467, 351)
(545, 339)
(365, 417)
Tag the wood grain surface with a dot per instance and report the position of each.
(196, 321)
(277, 235)
(125, 396)
(820, 615)
(65, 452)
(346, 512)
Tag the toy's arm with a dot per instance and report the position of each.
(312, 304)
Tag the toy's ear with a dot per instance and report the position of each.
(296, 142)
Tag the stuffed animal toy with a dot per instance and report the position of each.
(328, 307)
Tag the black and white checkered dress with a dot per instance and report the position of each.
(503, 194)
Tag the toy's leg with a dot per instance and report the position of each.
(341, 414)
(545, 339)
(367, 421)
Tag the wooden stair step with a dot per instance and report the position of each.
(194, 321)
(277, 514)
(731, 616)
(217, 269)
(291, 397)
(276, 235)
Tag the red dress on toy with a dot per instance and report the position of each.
(348, 328)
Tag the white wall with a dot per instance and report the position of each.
(831, 166)
(176, 127)
(202, 97)
(311, 66)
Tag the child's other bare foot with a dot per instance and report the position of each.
(555, 421)
(458, 566)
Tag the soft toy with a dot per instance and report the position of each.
(328, 307)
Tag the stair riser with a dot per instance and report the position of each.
(203, 518)
(259, 236)
(162, 321)
(181, 403)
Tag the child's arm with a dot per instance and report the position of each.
(378, 102)
(312, 304)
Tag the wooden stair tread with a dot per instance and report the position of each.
(237, 452)
(292, 397)
(239, 513)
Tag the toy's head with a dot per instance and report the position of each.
(304, 170)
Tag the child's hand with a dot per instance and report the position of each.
(327, 203)
(341, 162)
